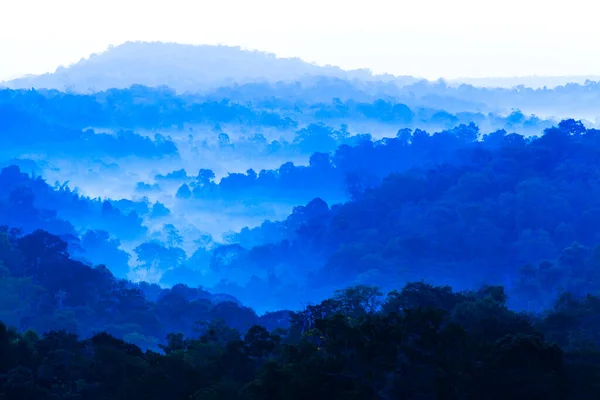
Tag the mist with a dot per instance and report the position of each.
(220, 202)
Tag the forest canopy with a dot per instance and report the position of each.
(334, 236)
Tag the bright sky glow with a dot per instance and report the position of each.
(427, 38)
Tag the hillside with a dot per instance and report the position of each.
(183, 68)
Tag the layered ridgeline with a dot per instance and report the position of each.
(476, 212)
(154, 149)
(239, 74)
(453, 207)
(463, 210)
(116, 280)
(280, 108)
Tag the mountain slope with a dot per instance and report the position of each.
(182, 67)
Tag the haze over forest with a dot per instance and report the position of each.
(207, 222)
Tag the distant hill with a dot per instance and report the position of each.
(183, 68)
(534, 82)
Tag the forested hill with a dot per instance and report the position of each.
(44, 289)
(504, 210)
(421, 342)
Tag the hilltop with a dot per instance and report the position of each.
(183, 68)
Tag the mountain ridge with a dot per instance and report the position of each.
(184, 67)
(196, 68)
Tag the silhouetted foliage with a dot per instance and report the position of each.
(355, 345)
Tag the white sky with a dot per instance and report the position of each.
(427, 38)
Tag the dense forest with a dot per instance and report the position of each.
(421, 342)
(332, 236)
